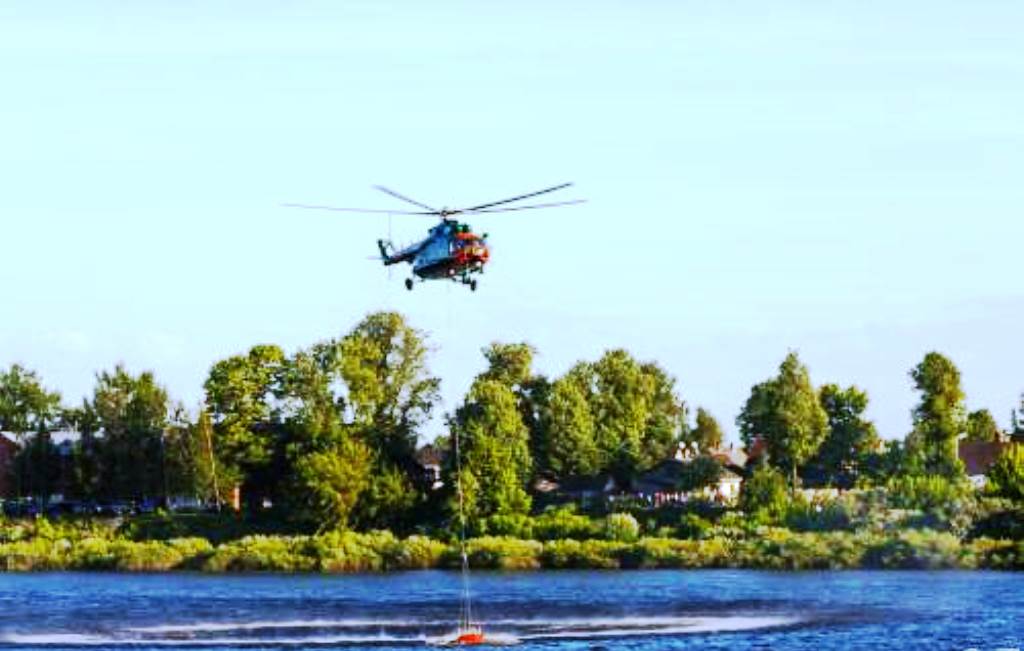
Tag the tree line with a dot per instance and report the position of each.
(328, 435)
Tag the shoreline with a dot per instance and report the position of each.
(767, 548)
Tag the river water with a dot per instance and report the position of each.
(591, 611)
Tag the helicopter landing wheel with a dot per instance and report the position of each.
(472, 285)
(408, 284)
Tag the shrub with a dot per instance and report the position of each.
(999, 519)
(499, 553)
(563, 522)
(621, 527)
(763, 495)
(420, 553)
(816, 515)
(261, 554)
(998, 554)
(693, 526)
(925, 492)
(580, 555)
(943, 504)
(516, 525)
(924, 549)
(1006, 476)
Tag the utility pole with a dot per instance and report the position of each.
(213, 463)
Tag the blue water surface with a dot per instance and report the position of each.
(714, 609)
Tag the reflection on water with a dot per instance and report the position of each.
(570, 610)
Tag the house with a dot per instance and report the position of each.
(730, 456)
(9, 447)
(430, 458)
(584, 490)
(662, 481)
(661, 484)
(978, 457)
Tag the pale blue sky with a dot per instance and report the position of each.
(839, 178)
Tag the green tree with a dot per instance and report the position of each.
(509, 364)
(982, 426)
(638, 418)
(495, 451)
(333, 480)
(26, 406)
(879, 466)
(850, 438)
(389, 395)
(37, 465)
(189, 462)
(1006, 476)
(512, 365)
(570, 446)
(132, 412)
(763, 494)
(84, 479)
(1017, 422)
(786, 414)
(242, 399)
(707, 435)
(389, 392)
(700, 473)
(939, 418)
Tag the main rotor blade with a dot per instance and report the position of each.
(406, 199)
(522, 196)
(533, 207)
(367, 210)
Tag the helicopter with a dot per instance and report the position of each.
(451, 250)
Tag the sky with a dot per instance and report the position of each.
(842, 179)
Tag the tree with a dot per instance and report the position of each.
(763, 494)
(333, 481)
(638, 418)
(1006, 476)
(494, 450)
(189, 460)
(389, 392)
(707, 435)
(26, 406)
(241, 397)
(570, 446)
(84, 480)
(509, 364)
(850, 438)
(982, 426)
(512, 365)
(1017, 422)
(389, 395)
(785, 413)
(700, 473)
(37, 465)
(939, 418)
(132, 412)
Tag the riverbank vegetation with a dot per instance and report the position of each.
(318, 450)
(694, 542)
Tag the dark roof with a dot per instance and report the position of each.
(430, 455)
(584, 484)
(662, 477)
(978, 456)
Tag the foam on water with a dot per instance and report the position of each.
(344, 632)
